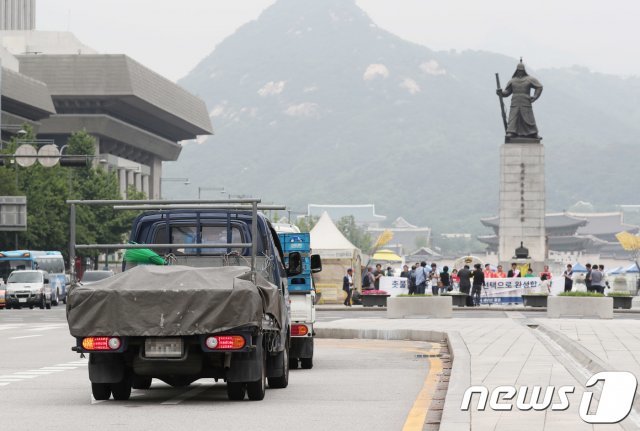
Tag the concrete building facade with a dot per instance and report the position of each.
(17, 14)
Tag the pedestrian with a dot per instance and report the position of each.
(445, 280)
(529, 273)
(367, 279)
(412, 279)
(389, 272)
(405, 271)
(421, 278)
(500, 273)
(347, 286)
(487, 271)
(605, 282)
(514, 271)
(434, 279)
(478, 282)
(455, 280)
(545, 279)
(377, 275)
(356, 297)
(597, 279)
(568, 278)
(465, 283)
(587, 278)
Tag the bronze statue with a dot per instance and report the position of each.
(521, 123)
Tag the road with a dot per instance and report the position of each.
(354, 385)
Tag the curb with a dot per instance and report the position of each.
(453, 419)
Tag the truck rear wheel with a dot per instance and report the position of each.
(282, 381)
(306, 363)
(141, 382)
(122, 390)
(256, 390)
(236, 391)
(101, 391)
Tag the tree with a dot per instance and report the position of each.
(306, 223)
(357, 235)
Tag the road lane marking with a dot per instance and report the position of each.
(418, 413)
(25, 376)
(3, 384)
(25, 336)
(185, 396)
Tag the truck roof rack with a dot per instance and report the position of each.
(250, 204)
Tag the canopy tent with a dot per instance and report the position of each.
(632, 269)
(579, 268)
(386, 256)
(338, 254)
(615, 271)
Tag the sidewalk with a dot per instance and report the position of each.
(515, 351)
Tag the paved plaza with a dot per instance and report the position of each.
(523, 349)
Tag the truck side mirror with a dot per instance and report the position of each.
(46, 281)
(316, 263)
(295, 264)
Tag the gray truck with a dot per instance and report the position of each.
(217, 309)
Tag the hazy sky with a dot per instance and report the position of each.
(172, 36)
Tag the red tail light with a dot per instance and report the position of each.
(299, 330)
(101, 343)
(225, 342)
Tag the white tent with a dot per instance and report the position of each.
(338, 254)
(329, 242)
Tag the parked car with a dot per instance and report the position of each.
(90, 277)
(2, 294)
(28, 288)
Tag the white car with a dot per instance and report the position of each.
(27, 288)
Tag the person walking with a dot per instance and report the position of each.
(568, 278)
(421, 278)
(465, 283)
(445, 281)
(587, 278)
(434, 279)
(377, 275)
(478, 282)
(347, 286)
(412, 279)
(605, 282)
(597, 279)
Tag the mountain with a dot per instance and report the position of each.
(313, 103)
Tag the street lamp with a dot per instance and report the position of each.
(185, 181)
(200, 189)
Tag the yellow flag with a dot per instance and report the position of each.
(628, 241)
(384, 238)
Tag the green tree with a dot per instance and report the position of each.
(306, 223)
(354, 233)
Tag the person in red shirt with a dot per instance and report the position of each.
(487, 271)
(545, 278)
(500, 273)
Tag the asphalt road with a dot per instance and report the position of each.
(354, 385)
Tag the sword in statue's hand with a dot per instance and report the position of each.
(499, 93)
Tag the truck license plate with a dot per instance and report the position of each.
(163, 347)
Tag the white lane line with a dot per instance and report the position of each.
(185, 396)
(58, 368)
(4, 384)
(71, 367)
(25, 376)
(25, 336)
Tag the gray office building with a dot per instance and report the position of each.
(17, 14)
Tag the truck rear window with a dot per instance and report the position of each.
(184, 234)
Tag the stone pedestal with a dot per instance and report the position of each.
(522, 201)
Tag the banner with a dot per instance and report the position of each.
(394, 286)
(509, 290)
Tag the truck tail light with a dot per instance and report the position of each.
(101, 343)
(225, 342)
(299, 330)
